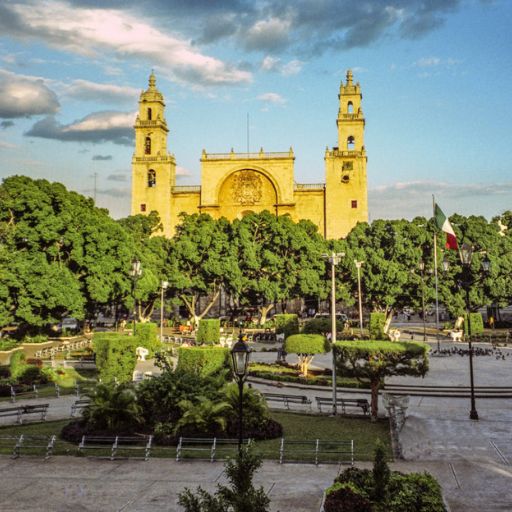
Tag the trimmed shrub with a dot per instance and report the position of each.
(477, 324)
(377, 323)
(202, 360)
(147, 334)
(17, 364)
(306, 344)
(115, 356)
(415, 492)
(39, 338)
(321, 326)
(208, 332)
(287, 324)
(346, 497)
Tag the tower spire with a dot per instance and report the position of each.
(152, 80)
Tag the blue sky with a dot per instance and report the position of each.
(435, 76)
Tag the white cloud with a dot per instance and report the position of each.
(25, 96)
(182, 171)
(272, 97)
(270, 34)
(91, 32)
(92, 91)
(275, 64)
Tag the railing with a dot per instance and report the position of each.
(161, 158)
(262, 155)
(309, 186)
(339, 152)
(184, 189)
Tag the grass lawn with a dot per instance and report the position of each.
(296, 427)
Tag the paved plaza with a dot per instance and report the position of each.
(471, 459)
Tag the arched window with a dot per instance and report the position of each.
(149, 114)
(147, 146)
(151, 178)
(350, 107)
(351, 143)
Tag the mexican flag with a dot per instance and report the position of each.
(443, 224)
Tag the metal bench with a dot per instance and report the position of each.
(209, 445)
(17, 392)
(115, 447)
(288, 399)
(361, 403)
(11, 411)
(317, 451)
(41, 409)
(79, 406)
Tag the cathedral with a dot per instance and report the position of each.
(236, 184)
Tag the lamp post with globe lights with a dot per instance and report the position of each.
(240, 358)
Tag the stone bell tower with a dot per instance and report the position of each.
(346, 201)
(153, 168)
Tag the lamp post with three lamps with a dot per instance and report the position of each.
(240, 358)
(135, 273)
(334, 259)
(466, 255)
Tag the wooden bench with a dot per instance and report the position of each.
(38, 442)
(361, 403)
(116, 446)
(41, 409)
(209, 445)
(18, 393)
(288, 399)
(11, 411)
(317, 451)
(79, 405)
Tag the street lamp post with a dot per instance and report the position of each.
(466, 255)
(359, 294)
(163, 287)
(334, 258)
(240, 357)
(421, 266)
(135, 273)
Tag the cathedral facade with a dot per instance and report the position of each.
(235, 184)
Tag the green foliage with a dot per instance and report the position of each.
(377, 322)
(202, 360)
(382, 490)
(147, 334)
(306, 344)
(115, 356)
(17, 364)
(286, 324)
(239, 495)
(39, 338)
(203, 417)
(8, 344)
(476, 322)
(321, 326)
(372, 361)
(31, 375)
(113, 408)
(208, 332)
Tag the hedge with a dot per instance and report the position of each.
(17, 364)
(477, 324)
(208, 332)
(321, 326)
(306, 344)
(115, 356)
(147, 334)
(287, 324)
(377, 323)
(202, 360)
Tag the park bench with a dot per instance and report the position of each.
(79, 406)
(317, 451)
(288, 399)
(18, 392)
(361, 403)
(11, 411)
(115, 447)
(41, 409)
(211, 446)
(35, 442)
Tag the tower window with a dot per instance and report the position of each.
(151, 178)
(348, 166)
(351, 143)
(354, 203)
(147, 146)
(149, 114)
(143, 207)
(350, 107)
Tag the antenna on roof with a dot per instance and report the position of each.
(247, 134)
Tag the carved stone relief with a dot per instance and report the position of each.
(247, 188)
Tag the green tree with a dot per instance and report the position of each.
(371, 361)
(279, 260)
(306, 346)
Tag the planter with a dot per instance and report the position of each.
(5, 355)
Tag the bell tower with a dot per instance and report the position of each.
(346, 195)
(153, 168)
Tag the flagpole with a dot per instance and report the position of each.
(435, 273)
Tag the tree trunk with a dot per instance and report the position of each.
(264, 310)
(374, 405)
(389, 317)
(209, 306)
